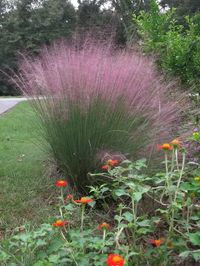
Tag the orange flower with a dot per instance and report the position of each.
(157, 242)
(164, 146)
(84, 200)
(104, 226)
(70, 196)
(105, 167)
(176, 143)
(112, 162)
(115, 260)
(60, 223)
(61, 183)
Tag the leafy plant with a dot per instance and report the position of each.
(164, 232)
(176, 47)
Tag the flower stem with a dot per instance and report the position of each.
(62, 197)
(166, 163)
(62, 201)
(167, 176)
(171, 227)
(134, 207)
(82, 216)
(104, 235)
(172, 162)
(177, 163)
(104, 238)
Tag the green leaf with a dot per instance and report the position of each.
(4, 256)
(23, 237)
(54, 258)
(184, 254)
(177, 205)
(144, 223)
(133, 254)
(120, 192)
(196, 255)
(138, 196)
(104, 189)
(144, 231)
(194, 238)
(118, 218)
(195, 218)
(69, 207)
(162, 211)
(42, 263)
(128, 216)
(55, 246)
(41, 242)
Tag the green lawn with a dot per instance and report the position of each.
(25, 188)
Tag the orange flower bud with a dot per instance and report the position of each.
(105, 167)
(157, 242)
(60, 223)
(70, 196)
(176, 143)
(104, 226)
(84, 200)
(61, 183)
(115, 260)
(112, 162)
(164, 146)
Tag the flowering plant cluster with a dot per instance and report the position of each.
(136, 219)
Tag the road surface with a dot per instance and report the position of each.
(7, 103)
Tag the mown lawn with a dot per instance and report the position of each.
(26, 189)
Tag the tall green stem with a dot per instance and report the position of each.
(167, 176)
(82, 216)
(62, 200)
(62, 197)
(104, 238)
(171, 227)
(134, 206)
(166, 164)
(104, 235)
(176, 154)
(172, 162)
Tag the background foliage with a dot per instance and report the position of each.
(26, 25)
(176, 45)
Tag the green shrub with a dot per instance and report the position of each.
(177, 48)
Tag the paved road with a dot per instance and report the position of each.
(7, 103)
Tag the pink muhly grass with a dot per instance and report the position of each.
(93, 99)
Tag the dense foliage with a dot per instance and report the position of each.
(183, 7)
(26, 25)
(177, 48)
(143, 220)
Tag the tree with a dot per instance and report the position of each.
(26, 25)
(91, 14)
(184, 7)
(125, 10)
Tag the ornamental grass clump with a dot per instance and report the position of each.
(92, 100)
